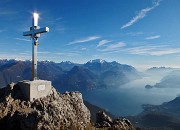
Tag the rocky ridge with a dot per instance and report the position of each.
(104, 121)
(56, 111)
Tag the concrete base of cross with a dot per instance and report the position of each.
(35, 89)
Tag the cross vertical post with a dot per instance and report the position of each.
(34, 59)
(34, 49)
(35, 32)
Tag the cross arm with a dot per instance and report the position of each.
(41, 30)
(28, 33)
(36, 31)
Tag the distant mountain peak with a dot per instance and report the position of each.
(161, 68)
(67, 62)
(97, 61)
(18, 59)
(46, 61)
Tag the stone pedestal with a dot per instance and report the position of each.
(35, 89)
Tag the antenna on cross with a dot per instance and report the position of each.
(34, 33)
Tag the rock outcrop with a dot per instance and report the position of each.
(55, 111)
(104, 121)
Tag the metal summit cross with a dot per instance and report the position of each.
(35, 32)
(35, 88)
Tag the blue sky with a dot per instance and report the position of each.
(142, 33)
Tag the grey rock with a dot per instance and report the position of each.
(122, 123)
(55, 111)
(102, 121)
(101, 116)
(102, 124)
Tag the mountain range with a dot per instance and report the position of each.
(95, 74)
(159, 117)
(160, 69)
(99, 74)
(170, 80)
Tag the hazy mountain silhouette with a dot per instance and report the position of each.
(67, 65)
(70, 76)
(160, 70)
(170, 80)
(164, 116)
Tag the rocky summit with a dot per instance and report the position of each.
(104, 121)
(53, 112)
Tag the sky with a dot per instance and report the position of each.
(141, 33)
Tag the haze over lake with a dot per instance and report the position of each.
(127, 99)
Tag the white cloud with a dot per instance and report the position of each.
(43, 52)
(4, 12)
(153, 50)
(166, 51)
(23, 53)
(153, 37)
(67, 54)
(83, 49)
(14, 56)
(114, 47)
(22, 39)
(102, 42)
(87, 39)
(134, 33)
(7, 12)
(141, 14)
(117, 45)
(142, 50)
(61, 29)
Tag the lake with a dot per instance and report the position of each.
(126, 100)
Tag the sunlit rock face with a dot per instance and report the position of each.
(55, 111)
